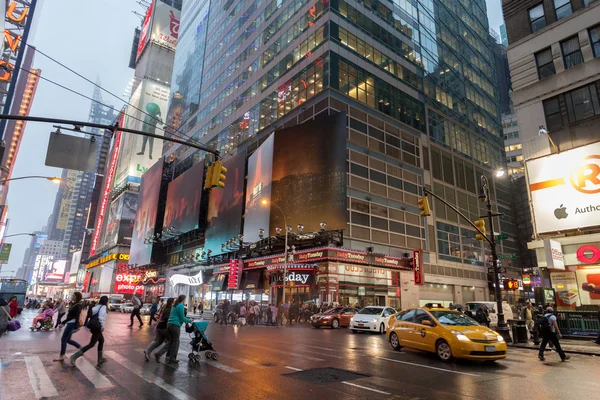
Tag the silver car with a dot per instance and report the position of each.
(127, 307)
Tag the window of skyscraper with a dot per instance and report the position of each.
(545, 64)
(583, 103)
(537, 19)
(595, 40)
(588, 2)
(553, 116)
(571, 52)
(562, 8)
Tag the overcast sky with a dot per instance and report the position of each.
(93, 38)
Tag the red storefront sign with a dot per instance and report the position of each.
(418, 267)
(588, 254)
(128, 284)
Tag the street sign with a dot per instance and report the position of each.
(502, 236)
(511, 256)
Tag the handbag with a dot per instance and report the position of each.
(94, 324)
(13, 324)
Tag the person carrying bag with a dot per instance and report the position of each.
(96, 327)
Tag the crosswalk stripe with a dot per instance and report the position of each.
(148, 376)
(215, 364)
(40, 381)
(92, 374)
(179, 367)
(285, 352)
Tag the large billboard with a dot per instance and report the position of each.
(139, 153)
(260, 172)
(182, 210)
(121, 217)
(145, 217)
(565, 189)
(165, 25)
(66, 188)
(145, 32)
(309, 175)
(56, 271)
(42, 264)
(226, 205)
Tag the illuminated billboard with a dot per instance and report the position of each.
(225, 206)
(56, 271)
(145, 33)
(182, 210)
(145, 218)
(121, 217)
(165, 26)
(565, 189)
(138, 153)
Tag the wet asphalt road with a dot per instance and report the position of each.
(277, 363)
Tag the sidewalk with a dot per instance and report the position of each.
(585, 347)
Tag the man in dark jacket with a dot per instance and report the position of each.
(137, 306)
(225, 312)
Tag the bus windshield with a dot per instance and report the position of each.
(13, 287)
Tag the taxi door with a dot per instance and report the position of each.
(425, 335)
(404, 327)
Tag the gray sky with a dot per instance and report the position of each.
(494, 11)
(93, 38)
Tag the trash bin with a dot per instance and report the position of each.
(519, 330)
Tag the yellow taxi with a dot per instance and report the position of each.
(448, 333)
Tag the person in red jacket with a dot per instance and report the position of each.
(14, 306)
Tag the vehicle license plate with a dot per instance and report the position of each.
(361, 325)
(490, 349)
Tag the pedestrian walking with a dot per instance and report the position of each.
(13, 305)
(4, 316)
(137, 305)
(225, 309)
(528, 314)
(153, 311)
(257, 313)
(71, 326)
(59, 309)
(201, 308)
(550, 333)
(176, 319)
(96, 325)
(195, 307)
(162, 334)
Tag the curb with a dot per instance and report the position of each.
(585, 353)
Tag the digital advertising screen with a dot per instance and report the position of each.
(145, 218)
(56, 271)
(226, 205)
(184, 195)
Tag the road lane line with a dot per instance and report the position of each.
(427, 366)
(365, 387)
(215, 364)
(92, 374)
(40, 381)
(295, 369)
(148, 376)
(284, 352)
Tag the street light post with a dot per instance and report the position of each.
(502, 328)
(50, 178)
(20, 234)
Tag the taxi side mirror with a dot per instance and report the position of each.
(426, 322)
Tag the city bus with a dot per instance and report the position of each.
(13, 287)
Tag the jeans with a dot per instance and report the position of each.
(59, 319)
(97, 337)
(136, 313)
(66, 338)
(174, 332)
(552, 338)
(161, 336)
(152, 317)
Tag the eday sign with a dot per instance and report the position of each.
(195, 280)
(565, 189)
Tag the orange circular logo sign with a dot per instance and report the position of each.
(585, 177)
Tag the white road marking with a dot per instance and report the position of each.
(148, 376)
(178, 366)
(242, 360)
(427, 366)
(40, 381)
(364, 387)
(92, 374)
(295, 369)
(285, 352)
(215, 364)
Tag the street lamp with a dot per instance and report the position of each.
(265, 202)
(53, 179)
(484, 195)
(20, 234)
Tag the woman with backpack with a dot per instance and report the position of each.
(72, 325)
(96, 326)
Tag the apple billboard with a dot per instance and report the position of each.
(564, 189)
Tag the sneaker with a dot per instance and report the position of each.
(129, 326)
(146, 355)
(567, 357)
(541, 358)
(173, 361)
(72, 359)
(157, 357)
(141, 325)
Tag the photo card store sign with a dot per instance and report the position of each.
(128, 284)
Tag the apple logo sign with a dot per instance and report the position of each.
(561, 212)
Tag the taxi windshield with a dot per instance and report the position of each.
(370, 311)
(453, 318)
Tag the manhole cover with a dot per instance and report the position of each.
(322, 376)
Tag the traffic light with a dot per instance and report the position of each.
(234, 274)
(209, 177)
(219, 174)
(480, 223)
(424, 206)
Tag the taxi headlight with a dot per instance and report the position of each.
(500, 338)
(461, 336)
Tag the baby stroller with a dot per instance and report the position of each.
(200, 342)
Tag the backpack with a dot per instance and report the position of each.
(94, 324)
(542, 324)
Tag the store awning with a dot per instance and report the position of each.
(251, 280)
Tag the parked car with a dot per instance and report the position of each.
(126, 307)
(447, 333)
(334, 317)
(372, 318)
(145, 310)
(114, 305)
(491, 306)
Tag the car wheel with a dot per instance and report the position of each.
(382, 328)
(394, 341)
(442, 349)
(335, 324)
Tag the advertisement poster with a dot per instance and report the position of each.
(128, 284)
(139, 153)
(121, 217)
(225, 206)
(145, 218)
(40, 239)
(5, 249)
(184, 195)
(309, 175)
(564, 189)
(145, 33)
(566, 289)
(56, 271)
(589, 285)
(66, 194)
(165, 25)
(258, 188)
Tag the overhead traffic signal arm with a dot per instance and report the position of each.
(479, 231)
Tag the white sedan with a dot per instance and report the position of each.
(127, 308)
(372, 318)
